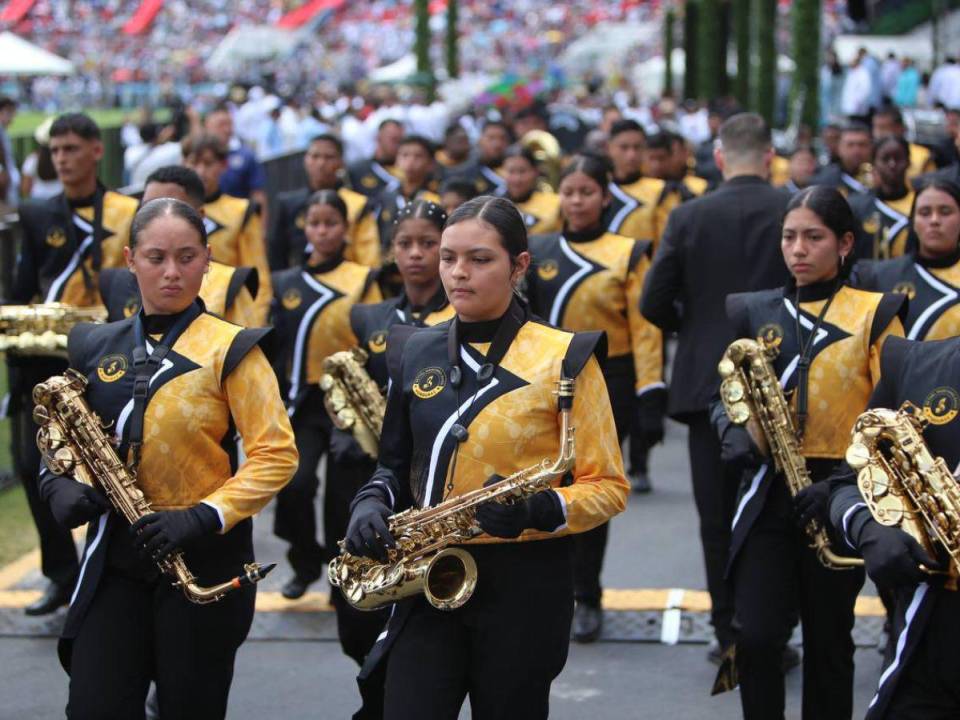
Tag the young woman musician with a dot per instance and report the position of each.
(540, 209)
(828, 337)
(205, 381)
(930, 273)
(586, 278)
(471, 400)
(423, 303)
(311, 315)
(884, 211)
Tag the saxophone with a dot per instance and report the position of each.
(752, 396)
(42, 329)
(72, 441)
(423, 561)
(903, 484)
(353, 399)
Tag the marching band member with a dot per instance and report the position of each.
(227, 292)
(586, 278)
(471, 400)
(918, 681)
(540, 210)
(379, 173)
(829, 337)
(415, 162)
(929, 274)
(233, 224)
(311, 314)
(127, 624)
(884, 211)
(423, 303)
(68, 240)
(848, 173)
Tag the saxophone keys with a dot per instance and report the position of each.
(726, 368)
(733, 391)
(739, 413)
(326, 383)
(888, 510)
(40, 415)
(858, 455)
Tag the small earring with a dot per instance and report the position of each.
(842, 260)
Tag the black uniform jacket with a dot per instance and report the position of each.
(727, 241)
(884, 224)
(213, 384)
(221, 288)
(836, 177)
(65, 244)
(370, 177)
(933, 286)
(510, 416)
(926, 375)
(844, 367)
(288, 243)
(311, 315)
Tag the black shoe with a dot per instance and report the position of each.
(640, 482)
(790, 659)
(587, 622)
(295, 587)
(715, 653)
(54, 597)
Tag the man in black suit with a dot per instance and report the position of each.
(724, 242)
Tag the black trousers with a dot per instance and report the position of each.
(589, 548)
(714, 493)
(775, 575)
(295, 519)
(137, 631)
(58, 554)
(502, 649)
(929, 688)
(357, 630)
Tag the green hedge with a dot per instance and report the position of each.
(906, 17)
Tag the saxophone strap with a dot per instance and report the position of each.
(96, 251)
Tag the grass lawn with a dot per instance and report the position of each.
(26, 121)
(17, 534)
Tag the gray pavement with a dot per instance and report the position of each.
(653, 545)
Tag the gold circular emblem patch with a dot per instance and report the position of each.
(378, 341)
(301, 220)
(56, 237)
(941, 405)
(132, 307)
(906, 288)
(291, 299)
(771, 334)
(871, 226)
(369, 181)
(429, 382)
(111, 368)
(548, 270)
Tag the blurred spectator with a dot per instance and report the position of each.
(857, 88)
(40, 179)
(831, 88)
(889, 75)
(908, 85)
(9, 175)
(944, 88)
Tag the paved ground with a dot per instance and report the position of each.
(293, 668)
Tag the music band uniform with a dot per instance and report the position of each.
(592, 280)
(918, 680)
(541, 212)
(390, 203)
(311, 317)
(127, 625)
(509, 641)
(638, 208)
(772, 568)
(371, 177)
(288, 242)
(64, 246)
(884, 224)
(931, 284)
(226, 291)
(235, 237)
(356, 629)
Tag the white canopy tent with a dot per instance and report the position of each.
(251, 43)
(19, 57)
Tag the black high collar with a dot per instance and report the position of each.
(523, 198)
(591, 233)
(899, 195)
(629, 179)
(940, 262)
(158, 324)
(212, 198)
(812, 293)
(325, 266)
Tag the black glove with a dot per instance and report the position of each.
(368, 534)
(158, 534)
(72, 503)
(651, 407)
(891, 556)
(811, 503)
(541, 511)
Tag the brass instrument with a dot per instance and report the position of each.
(546, 151)
(423, 561)
(903, 484)
(752, 395)
(72, 441)
(353, 399)
(42, 329)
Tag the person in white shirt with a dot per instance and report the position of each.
(857, 89)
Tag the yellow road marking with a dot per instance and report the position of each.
(14, 572)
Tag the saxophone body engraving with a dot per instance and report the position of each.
(73, 443)
(752, 396)
(423, 560)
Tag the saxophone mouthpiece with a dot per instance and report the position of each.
(253, 573)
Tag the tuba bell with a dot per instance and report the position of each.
(546, 150)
